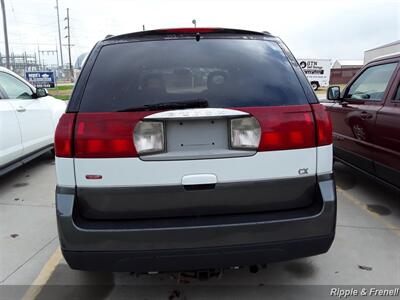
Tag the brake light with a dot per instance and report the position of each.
(284, 127)
(64, 135)
(189, 30)
(106, 135)
(323, 124)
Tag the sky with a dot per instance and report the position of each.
(340, 29)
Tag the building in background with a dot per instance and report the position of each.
(347, 63)
(344, 69)
(386, 49)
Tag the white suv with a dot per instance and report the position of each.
(187, 149)
(28, 118)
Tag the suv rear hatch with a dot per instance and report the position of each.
(192, 126)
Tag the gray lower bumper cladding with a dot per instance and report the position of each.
(192, 243)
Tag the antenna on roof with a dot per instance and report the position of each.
(108, 36)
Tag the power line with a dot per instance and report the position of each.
(26, 43)
(48, 52)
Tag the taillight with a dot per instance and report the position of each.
(64, 135)
(324, 125)
(245, 133)
(106, 135)
(149, 137)
(284, 127)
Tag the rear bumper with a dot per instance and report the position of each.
(173, 244)
(196, 259)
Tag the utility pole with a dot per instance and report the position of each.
(39, 55)
(59, 35)
(3, 8)
(69, 46)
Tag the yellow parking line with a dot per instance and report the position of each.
(355, 201)
(43, 276)
(54, 260)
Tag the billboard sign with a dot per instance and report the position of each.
(317, 71)
(41, 79)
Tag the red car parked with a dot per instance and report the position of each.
(366, 120)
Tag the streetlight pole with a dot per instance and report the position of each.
(3, 8)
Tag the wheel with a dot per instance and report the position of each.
(314, 86)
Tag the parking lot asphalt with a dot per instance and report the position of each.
(365, 250)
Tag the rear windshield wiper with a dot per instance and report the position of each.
(195, 103)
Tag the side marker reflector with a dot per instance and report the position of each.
(94, 177)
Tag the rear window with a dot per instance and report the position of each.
(225, 72)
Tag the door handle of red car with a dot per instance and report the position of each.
(365, 115)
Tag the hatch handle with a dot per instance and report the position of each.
(199, 179)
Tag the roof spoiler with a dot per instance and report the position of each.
(187, 31)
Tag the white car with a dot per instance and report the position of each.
(28, 118)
